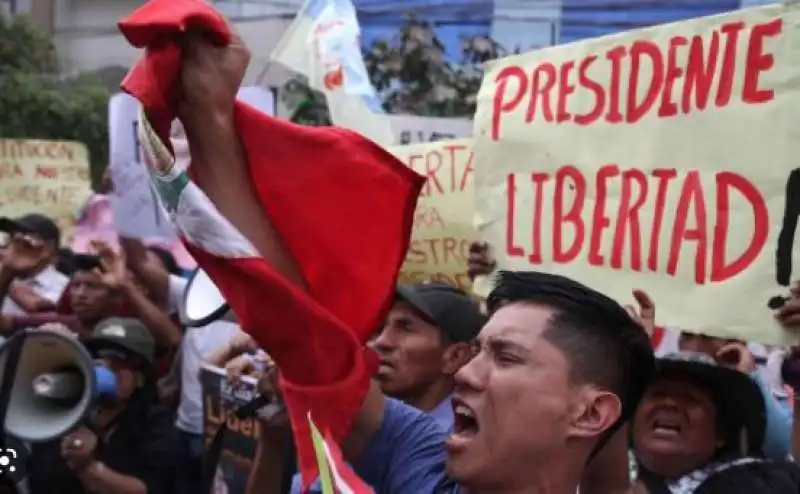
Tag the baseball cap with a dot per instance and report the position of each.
(127, 335)
(450, 309)
(35, 224)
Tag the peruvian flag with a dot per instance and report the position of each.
(341, 204)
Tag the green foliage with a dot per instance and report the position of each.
(36, 104)
(412, 76)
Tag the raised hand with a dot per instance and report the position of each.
(23, 254)
(645, 315)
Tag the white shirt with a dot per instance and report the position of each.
(48, 284)
(196, 348)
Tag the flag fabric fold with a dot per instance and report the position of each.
(323, 44)
(335, 474)
(342, 205)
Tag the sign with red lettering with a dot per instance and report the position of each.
(662, 159)
(47, 177)
(443, 224)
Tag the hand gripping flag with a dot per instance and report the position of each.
(342, 205)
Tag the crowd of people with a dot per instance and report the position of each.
(545, 387)
(488, 389)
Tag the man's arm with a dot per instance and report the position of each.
(165, 332)
(29, 300)
(147, 267)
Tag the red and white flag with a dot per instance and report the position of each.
(342, 205)
(335, 475)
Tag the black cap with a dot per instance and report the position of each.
(127, 335)
(737, 395)
(33, 224)
(85, 262)
(450, 309)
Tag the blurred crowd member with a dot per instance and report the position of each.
(28, 262)
(128, 445)
(102, 286)
(159, 273)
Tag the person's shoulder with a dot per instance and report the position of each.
(403, 417)
(407, 454)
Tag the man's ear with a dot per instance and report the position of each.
(456, 355)
(595, 412)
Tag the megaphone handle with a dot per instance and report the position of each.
(14, 353)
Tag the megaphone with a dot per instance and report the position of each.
(49, 384)
(203, 303)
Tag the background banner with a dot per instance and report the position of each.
(46, 177)
(443, 223)
(239, 446)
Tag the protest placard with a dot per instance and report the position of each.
(220, 400)
(657, 159)
(46, 177)
(443, 222)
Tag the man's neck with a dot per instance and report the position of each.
(433, 396)
(559, 474)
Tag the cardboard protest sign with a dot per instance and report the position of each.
(220, 401)
(443, 223)
(657, 159)
(46, 177)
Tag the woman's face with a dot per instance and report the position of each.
(675, 429)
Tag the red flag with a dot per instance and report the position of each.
(342, 205)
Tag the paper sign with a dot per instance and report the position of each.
(443, 222)
(657, 159)
(46, 177)
(220, 400)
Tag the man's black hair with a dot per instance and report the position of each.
(65, 261)
(603, 344)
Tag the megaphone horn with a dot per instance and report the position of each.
(49, 384)
(203, 303)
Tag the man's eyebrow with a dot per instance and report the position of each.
(498, 343)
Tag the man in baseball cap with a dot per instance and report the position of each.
(426, 338)
(129, 440)
(126, 339)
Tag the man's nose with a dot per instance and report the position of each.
(383, 341)
(472, 375)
